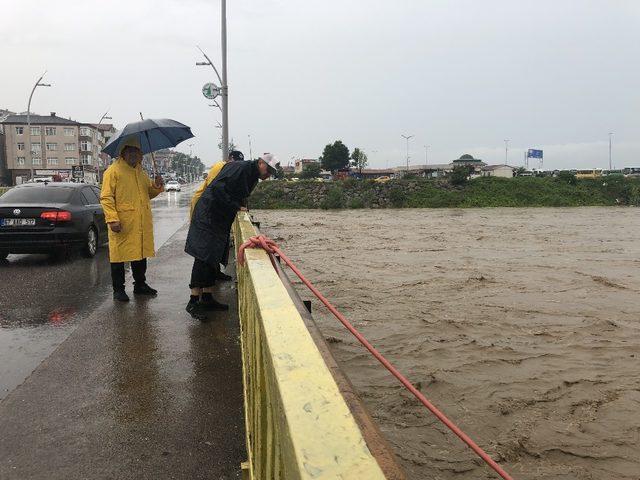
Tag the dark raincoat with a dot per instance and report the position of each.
(213, 215)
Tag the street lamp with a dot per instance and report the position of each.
(224, 88)
(98, 160)
(610, 164)
(407, 137)
(38, 84)
(506, 152)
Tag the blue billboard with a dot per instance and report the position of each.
(531, 153)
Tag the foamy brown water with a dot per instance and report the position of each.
(522, 325)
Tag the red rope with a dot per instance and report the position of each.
(270, 246)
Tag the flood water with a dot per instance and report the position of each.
(522, 325)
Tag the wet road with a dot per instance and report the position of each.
(41, 299)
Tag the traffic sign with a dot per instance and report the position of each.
(77, 171)
(210, 90)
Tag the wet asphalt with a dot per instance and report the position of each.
(137, 390)
(42, 298)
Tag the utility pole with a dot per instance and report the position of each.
(38, 84)
(407, 137)
(225, 86)
(610, 164)
(506, 152)
(250, 152)
(426, 154)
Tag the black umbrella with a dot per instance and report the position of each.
(151, 134)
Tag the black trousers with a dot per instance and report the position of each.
(203, 275)
(138, 268)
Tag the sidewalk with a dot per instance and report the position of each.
(138, 391)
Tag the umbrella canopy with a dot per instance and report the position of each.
(151, 134)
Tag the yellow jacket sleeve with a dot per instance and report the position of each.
(153, 190)
(108, 196)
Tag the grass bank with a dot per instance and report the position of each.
(423, 193)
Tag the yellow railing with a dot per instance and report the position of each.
(298, 424)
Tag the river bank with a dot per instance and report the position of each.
(426, 193)
(521, 324)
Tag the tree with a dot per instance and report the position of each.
(279, 172)
(311, 170)
(358, 159)
(334, 157)
(460, 174)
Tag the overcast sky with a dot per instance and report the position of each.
(461, 76)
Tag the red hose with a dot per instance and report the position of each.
(270, 246)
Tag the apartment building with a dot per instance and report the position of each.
(51, 147)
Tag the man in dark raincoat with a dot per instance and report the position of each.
(213, 215)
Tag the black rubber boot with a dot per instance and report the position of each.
(196, 311)
(223, 276)
(120, 296)
(144, 289)
(209, 303)
(213, 304)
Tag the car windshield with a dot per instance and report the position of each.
(40, 194)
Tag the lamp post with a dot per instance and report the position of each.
(407, 137)
(38, 84)
(224, 88)
(506, 152)
(98, 160)
(610, 140)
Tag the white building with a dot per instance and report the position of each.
(503, 171)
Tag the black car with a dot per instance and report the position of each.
(51, 217)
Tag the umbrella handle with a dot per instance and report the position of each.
(153, 157)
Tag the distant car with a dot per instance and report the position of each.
(172, 186)
(382, 179)
(51, 218)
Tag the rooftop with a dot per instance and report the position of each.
(495, 167)
(51, 119)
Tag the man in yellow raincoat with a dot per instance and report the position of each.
(125, 198)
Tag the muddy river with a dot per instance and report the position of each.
(522, 325)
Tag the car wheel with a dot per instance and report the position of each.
(91, 243)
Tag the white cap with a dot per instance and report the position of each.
(271, 161)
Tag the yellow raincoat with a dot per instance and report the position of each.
(213, 173)
(125, 198)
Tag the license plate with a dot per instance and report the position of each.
(17, 222)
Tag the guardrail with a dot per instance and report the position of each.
(298, 424)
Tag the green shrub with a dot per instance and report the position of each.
(567, 177)
(355, 203)
(460, 175)
(397, 196)
(334, 199)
